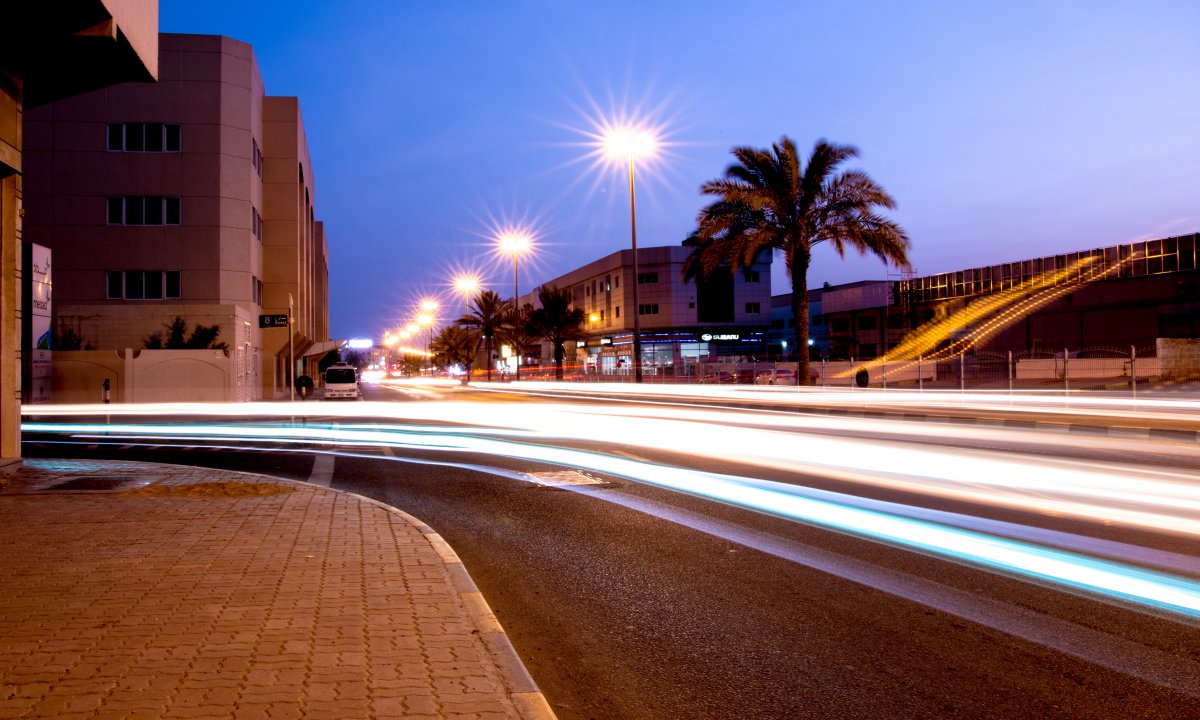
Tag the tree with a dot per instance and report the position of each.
(556, 322)
(769, 201)
(491, 317)
(202, 337)
(455, 345)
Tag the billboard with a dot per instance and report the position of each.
(40, 324)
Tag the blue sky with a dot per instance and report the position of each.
(1004, 130)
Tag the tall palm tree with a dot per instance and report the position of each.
(491, 317)
(770, 200)
(556, 322)
(455, 345)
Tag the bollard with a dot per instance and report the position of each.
(1133, 370)
(105, 395)
(920, 376)
(1066, 376)
(1010, 372)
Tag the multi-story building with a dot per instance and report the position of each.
(51, 51)
(192, 197)
(723, 316)
(1114, 297)
(781, 338)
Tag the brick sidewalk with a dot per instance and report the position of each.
(191, 593)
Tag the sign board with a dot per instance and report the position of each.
(606, 341)
(273, 321)
(709, 337)
(581, 343)
(39, 336)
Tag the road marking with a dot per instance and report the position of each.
(558, 478)
(322, 470)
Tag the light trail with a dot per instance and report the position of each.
(1068, 570)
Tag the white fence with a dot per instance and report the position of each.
(143, 376)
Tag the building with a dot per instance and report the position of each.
(52, 51)
(781, 338)
(1117, 297)
(725, 316)
(193, 197)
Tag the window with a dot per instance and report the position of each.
(866, 322)
(143, 284)
(608, 283)
(256, 157)
(753, 308)
(601, 316)
(617, 281)
(256, 223)
(753, 276)
(143, 210)
(839, 325)
(256, 288)
(143, 137)
(648, 309)
(647, 278)
(617, 311)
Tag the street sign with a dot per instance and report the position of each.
(272, 321)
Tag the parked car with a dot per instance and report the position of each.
(782, 376)
(717, 377)
(341, 382)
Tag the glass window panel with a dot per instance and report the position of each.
(172, 138)
(116, 210)
(172, 204)
(154, 211)
(134, 137)
(134, 285)
(116, 289)
(172, 284)
(116, 136)
(154, 137)
(154, 284)
(135, 210)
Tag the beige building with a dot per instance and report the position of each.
(192, 198)
(51, 51)
(682, 322)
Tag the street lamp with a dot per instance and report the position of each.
(427, 320)
(515, 243)
(467, 285)
(628, 144)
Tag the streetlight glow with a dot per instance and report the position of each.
(428, 306)
(625, 143)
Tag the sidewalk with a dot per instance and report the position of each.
(161, 591)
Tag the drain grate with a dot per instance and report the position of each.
(93, 482)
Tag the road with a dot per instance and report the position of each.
(720, 563)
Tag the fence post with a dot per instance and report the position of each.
(1066, 375)
(1133, 370)
(852, 378)
(962, 372)
(883, 368)
(823, 381)
(1010, 372)
(920, 376)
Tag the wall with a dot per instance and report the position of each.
(146, 376)
(1180, 357)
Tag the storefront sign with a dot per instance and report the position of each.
(710, 337)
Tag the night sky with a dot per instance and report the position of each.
(1004, 130)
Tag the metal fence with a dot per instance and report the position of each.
(1096, 369)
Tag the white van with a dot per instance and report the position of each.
(341, 382)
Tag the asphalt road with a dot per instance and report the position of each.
(631, 601)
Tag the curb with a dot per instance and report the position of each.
(524, 693)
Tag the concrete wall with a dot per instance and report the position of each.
(146, 376)
(1180, 357)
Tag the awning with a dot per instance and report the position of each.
(322, 348)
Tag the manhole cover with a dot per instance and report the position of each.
(558, 478)
(93, 482)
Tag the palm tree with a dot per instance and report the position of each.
(556, 322)
(455, 345)
(490, 316)
(768, 200)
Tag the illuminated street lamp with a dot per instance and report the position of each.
(467, 285)
(426, 319)
(628, 144)
(515, 243)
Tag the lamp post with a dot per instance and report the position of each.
(515, 243)
(466, 284)
(628, 144)
(427, 320)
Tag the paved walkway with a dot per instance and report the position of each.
(156, 591)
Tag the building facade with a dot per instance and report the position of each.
(51, 51)
(1116, 297)
(682, 322)
(189, 198)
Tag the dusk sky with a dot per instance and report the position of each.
(1003, 130)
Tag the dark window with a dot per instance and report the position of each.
(135, 210)
(753, 308)
(340, 376)
(840, 325)
(753, 276)
(648, 309)
(617, 311)
(116, 211)
(172, 138)
(116, 136)
(171, 282)
(608, 283)
(818, 320)
(893, 321)
(154, 211)
(153, 284)
(866, 351)
(617, 281)
(154, 137)
(172, 210)
(135, 288)
(135, 138)
(116, 289)
(866, 322)
(647, 278)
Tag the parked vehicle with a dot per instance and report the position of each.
(782, 376)
(341, 382)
